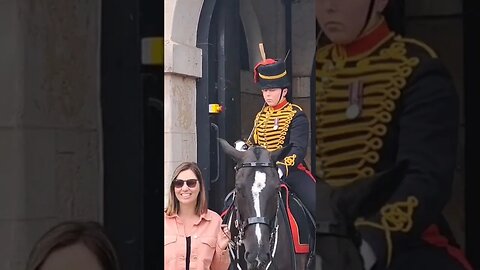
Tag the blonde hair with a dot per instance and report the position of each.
(65, 234)
(173, 203)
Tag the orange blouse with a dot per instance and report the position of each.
(205, 252)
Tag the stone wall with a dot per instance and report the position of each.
(50, 135)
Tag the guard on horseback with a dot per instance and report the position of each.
(280, 123)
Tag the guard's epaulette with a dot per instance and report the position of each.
(298, 107)
(419, 44)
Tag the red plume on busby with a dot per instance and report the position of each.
(271, 73)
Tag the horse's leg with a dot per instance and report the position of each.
(285, 258)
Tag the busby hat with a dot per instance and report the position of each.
(271, 73)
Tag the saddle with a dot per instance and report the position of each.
(301, 221)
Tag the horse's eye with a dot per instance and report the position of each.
(240, 189)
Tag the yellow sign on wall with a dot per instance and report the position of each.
(152, 51)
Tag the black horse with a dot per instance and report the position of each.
(259, 223)
(338, 243)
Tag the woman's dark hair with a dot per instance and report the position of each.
(65, 234)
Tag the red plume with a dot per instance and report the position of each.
(265, 62)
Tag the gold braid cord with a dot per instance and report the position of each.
(272, 126)
(347, 149)
(396, 217)
(288, 162)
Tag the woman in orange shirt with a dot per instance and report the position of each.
(194, 238)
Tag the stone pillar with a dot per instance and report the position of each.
(183, 65)
(303, 43)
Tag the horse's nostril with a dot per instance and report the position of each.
(265, 257)
(248, 257)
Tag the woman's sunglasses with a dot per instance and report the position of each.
(178, 183)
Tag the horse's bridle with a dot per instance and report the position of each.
(256, 220)
(255, 164)
(271, 223)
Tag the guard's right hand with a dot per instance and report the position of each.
(240, 145)
(368, 256)
(280, 173)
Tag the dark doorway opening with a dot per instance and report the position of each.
(132, 122)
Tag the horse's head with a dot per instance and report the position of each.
(337, 240)
(257, 185)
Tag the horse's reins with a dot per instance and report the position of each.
(272, 224)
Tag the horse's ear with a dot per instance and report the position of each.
(281, 153)
(366, 196)
(230, 150)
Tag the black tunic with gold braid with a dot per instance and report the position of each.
(276, 127)
(382, 99)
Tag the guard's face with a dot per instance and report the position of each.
(342, 20)
(273, 96)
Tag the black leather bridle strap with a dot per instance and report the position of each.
(258, 220)
(255, 164)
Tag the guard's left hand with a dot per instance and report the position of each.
(368, 255)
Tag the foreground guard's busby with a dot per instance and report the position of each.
(271, 73)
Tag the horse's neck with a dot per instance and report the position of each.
(285, 257)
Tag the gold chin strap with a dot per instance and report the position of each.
(280, 98)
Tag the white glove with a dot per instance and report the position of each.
(241, 145)
(369, 258)
(280, 173)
